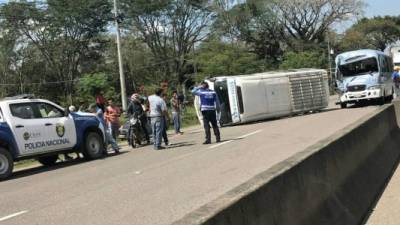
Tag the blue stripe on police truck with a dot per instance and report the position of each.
(82, 123)
(7, 136)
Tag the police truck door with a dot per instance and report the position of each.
(26, 128)
(60, 129)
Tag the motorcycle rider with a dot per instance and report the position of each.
(135, 106)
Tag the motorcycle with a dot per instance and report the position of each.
(135, 133)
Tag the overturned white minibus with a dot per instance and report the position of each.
(254, 97)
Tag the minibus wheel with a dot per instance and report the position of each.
(390, 97)
(382, 100)
(343, 105)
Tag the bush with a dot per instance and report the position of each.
(189, 117)
(92, 84)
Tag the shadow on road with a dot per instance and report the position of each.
(180, 145)
(42, 169)
(289, 116)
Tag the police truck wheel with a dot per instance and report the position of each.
(48, 160)
(343, 105)
(93, 146)
(6, 164)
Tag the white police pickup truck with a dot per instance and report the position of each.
(40, 129)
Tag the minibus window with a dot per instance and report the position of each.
(361, 67)
(240, 97)
(384, 64)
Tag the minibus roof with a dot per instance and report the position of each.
(283, 73)
(352, 56)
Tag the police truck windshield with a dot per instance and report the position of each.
(361, 67)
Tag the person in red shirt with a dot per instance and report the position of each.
(112, 118)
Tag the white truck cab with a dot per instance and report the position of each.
(37, 128)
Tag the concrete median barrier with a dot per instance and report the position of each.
(334, 182)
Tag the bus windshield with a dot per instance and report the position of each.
(361, 67)
(221, 88)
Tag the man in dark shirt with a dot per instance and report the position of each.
(176, 112)
(135, 106)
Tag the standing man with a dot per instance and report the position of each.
(96, 109)
(208, 105)
(166, 121)
(176, 112)
(396, 80)
(112, 118)
(135, 106)
(158, 110)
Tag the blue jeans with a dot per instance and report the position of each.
(164, 132)
(176, 117)
(157, 124)
(110, 140)
(114, 130)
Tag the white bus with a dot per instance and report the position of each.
(364, 75)
(248, 98)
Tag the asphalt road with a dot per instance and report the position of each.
(147, 187)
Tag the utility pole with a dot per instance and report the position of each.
(120, 64)
(330, 61)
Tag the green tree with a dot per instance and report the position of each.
(171, 29)
(374, 33)
(140, 65)
(254, 23)
(65, 32)
(217, 58)
(7, 57)
(306, 21)
(92, 84)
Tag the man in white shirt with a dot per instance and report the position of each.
(158, 109)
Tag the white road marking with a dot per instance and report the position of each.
(241, 137)
(217, 145)
(249, 134)
(12, 215)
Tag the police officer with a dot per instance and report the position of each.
(396, 80)
(208, 105)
